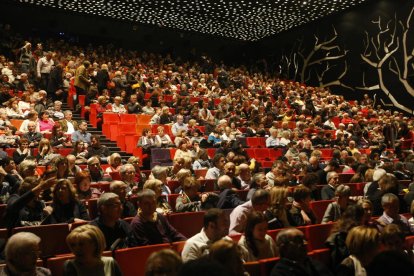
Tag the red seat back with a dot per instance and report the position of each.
(317, 235)
(53, 238)
(187, 224)
(132, 260)
(318, 207)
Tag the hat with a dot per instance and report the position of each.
(378, 174)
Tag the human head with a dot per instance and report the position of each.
(120, 188)
(256, 228)
(64, 192)
(27, 168)
(292, 244)
(86, 241)
(259, 180)
(154, 185)
(110, 206)
(160, 173)
(391, 204)
(260, 200)
(215, 224)
(94, 165)
(83, 180)
(393, 238)
(21, 252)
(115, 159)
(230, 169)
(332, 179)
(147, 202)
(219, 161)
(224, 182)
(302, 194)
(163, 262)
(363, 243)
(228, 254)
(127, 173)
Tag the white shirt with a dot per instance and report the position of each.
(71, 128)
(44, 66)
(238, 218)
(196, 247)
(213, 173)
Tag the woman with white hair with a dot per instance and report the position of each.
(335, 209)
(22, 251)
(117, 106)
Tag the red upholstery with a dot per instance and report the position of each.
(53, 238)
(132, 260)
(187, 224)
(319, 207)
(128, 118)
(345, 177)
(92, 205)
(200, 173)
(253, 268)
(317, 235)
(56, 264)
(262, 153)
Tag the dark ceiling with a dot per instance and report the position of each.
(247, 20)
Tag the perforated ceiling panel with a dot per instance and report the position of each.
(240, 19)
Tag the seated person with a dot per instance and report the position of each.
(163, 207)
(115, 163)
(363, 244)
(32, 136)
(162, 139)
(21, 252)
(294, 256)
(300, 212)
(87, 243)
(228, 199)
(328, 191)
(391, 205)
(96, 171)
(215, 227)
(96, 149)
(24, 208)
(127, 173)
(84, 189)
(115, 230)
(120, 188)
(335, 209)
(189, 200)
(66, 207)
(277, 214)
(255, 244)
(259, 203)
(150, 227)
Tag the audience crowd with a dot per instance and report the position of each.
(202, 105)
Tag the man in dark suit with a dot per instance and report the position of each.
(228, 199)
(328, 191)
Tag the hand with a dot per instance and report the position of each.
(78, 220)
(204, 197)
(48, 210)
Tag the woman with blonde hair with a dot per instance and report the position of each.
(87, 243)
(277, 215)
(162, 139)
(163, 206)
(363, 244)
(115, 163)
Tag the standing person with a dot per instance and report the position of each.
(82, 80)
(55, 85)
(87, 243)
(44, 67)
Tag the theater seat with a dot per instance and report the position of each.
(253, 268)
(317, 235)
(132, 260)
(266, 265)
(53, 238)
(187, 224)
(319, 207)
(56, 264)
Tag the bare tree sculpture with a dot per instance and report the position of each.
(317, 61)
(381, 54)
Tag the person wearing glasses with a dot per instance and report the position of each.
(328, 191)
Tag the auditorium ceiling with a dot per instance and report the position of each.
(248, 20)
